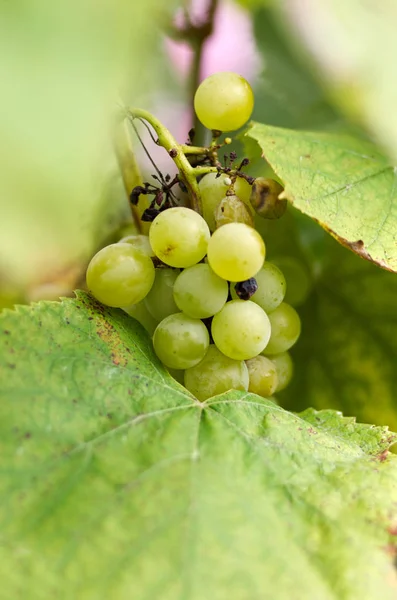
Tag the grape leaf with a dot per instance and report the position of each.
(360, 75)
(342, 182)
(116, 482)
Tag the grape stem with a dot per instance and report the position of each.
(175, 150)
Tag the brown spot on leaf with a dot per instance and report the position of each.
(358, 247)
(383, 455)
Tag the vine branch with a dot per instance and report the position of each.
(168, 142)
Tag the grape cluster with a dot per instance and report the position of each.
(200, 284)
(192, 304)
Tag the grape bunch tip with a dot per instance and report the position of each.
(200, 285)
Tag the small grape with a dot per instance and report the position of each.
(142, 315)
(286, 328)
(285, 369)
(299, 283)
(180, 342)
(216, 374)
(224, 101)
(200, 293)
(236, 252)
(263, 378)
(241, 330)
(141, 242)
(160, 300)
(179, 237)
(271, 288)
(232, 210)
(213, 189)
(120, 275)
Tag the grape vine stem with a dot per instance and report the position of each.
(165, 139)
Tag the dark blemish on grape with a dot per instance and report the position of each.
(90, 318)
(28, 435)
(246, 289)
(11, 366)
(109, 415)
(173, 153)
(6, 332)
(74, 401)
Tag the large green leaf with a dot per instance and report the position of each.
(341, 181)
(117, 483)
(354, 45)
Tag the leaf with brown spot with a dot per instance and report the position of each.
(342, 182)
(117, 483)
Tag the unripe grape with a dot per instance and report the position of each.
(236, 252)
(286, 328)
(120, 275)
(232, 210)
(241, 330)
(141, 242)
(224, 101)
(213, 189)
(285, 369)
(263, 378)
(265, 198)
(179, 237)
(141, 314)
(216, 374)
(160, 300)
(271, 288)
(180, 342)
(199, 292)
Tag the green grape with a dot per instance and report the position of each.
(241, 330)
(140, 242)
(285, 369)
(224, 101)
(271, 288)
(142, 315)
(286, 328)
(179, 237)
(232, 210)
(177, 374)
(120, 275)
(180, 342)
(263, 376)
(236, 252)
(299, 283)
(216, 374)
(200, 293)
(213, 189)
(160, 300)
